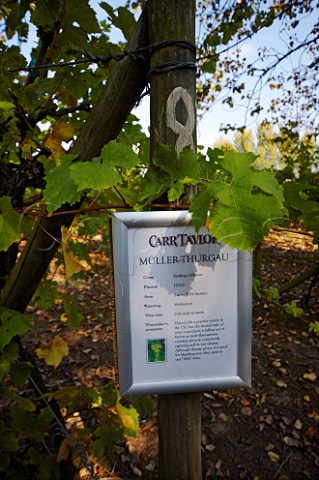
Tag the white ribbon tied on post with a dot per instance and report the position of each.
(184, 132)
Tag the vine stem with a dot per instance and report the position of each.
(299, 279)
(96, 209)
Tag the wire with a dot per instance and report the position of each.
(169, 66)
(135, 55)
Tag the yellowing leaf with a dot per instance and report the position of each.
(273, 457)
(72, 263)
(64, 318)
(28, 147)
(311, 377)
(129, 418)
(53, 352)
(314, 415)
(61, 132)
(64, 451)
(281, 384)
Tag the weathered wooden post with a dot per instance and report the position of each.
(173, 122)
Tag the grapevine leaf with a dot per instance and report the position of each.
(70, 308)
(245, 178)
(129, 195)
(60, 187)
(12, 324)
(5, 366)
(298, 197)
(129, 418)
(247, 203)
(209, 66)
(45, 294)
(84, 14)
(20, 373)
(61, 132)
(30, 423)
(119, 154)
(106, 436)
(11, 352)
(9, 443)
(9, 224)
(124, 20)
(153, 186)
(175, 191)
(94, 176)
(132, 132)
(176, 166)
(53, 352)
(7, 106)
(200, 207)
(45, 14)
(72, 263)
(47, 467)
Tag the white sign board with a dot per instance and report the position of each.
(183, 306)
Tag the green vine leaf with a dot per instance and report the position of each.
(154, 185)
(71, 310)
(200, 206)
(298, 197)
(60, 187)
(12, 324)
(9, 224)
(30, 422)
(119, 155)
(20, 373)
(106, 436)
(46, 293)
(95, 176)
(246, 203)
(8, 358)
(178, 167)
(170, 172)
(175, 191)
(124, 20)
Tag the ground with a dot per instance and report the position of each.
(267, 432)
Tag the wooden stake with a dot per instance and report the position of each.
(173, 122)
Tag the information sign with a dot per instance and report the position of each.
(183, 306)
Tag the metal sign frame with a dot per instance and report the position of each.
(183, 306)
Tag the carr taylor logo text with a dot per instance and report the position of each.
(181, 240)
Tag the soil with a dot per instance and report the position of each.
(267, 432)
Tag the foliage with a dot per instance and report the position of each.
(246, 202)
(41, 113)
(293, 160)
(286, 71)
(272, 296)
(294, 310)
(27, 441)
(314, 327)
(12, 324)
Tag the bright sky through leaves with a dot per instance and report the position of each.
(209, 124)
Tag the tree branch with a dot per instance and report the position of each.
(123, 89)
(55, 112)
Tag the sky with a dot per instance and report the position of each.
(208, 126)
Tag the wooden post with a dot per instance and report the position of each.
(173, 122)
